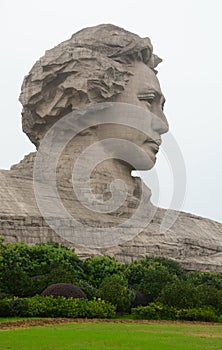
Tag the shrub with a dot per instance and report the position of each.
(154, 279)
(45, 306)
(172, 266)
(90, 291)
(149, 277)
(57, 307)
(198, 278)
(220, 319)
(157, 311)
(4, 295)
(99, 309)
(100, 267)
(60, 275)
(19, 307)
(209, 296)
(145, 313)
(136, 271)
(154, 311)
(114, 289)
(197, 314)
(5, 307)
(13, 307)
(27, 270)
(180, 294)
(66, 290)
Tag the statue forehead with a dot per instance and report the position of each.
(144, 79)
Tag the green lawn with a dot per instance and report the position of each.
(101, 336)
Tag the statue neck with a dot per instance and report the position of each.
(102, 185)
(99, 186)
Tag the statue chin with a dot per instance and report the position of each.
(139, 161)
(141, 164)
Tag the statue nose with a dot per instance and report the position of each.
(159, 122)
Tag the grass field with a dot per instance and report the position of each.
(113, 336)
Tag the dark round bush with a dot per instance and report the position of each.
(66, 290)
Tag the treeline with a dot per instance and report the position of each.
(152, 288)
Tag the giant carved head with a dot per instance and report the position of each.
(104, 63)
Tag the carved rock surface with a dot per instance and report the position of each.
(96, 65)
(193, 241)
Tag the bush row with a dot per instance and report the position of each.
(80, 308)
(157, 311)
(26, 271)
(49, 306)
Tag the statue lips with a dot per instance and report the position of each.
(153, 145)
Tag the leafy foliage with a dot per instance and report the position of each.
(172, 266)
(183, 294)
(197, 314)
(115, 290)
(198, 278)
(149, 277)
(90, 291)
(209, 296)
(27, 270)
(56, 307)
(180, 294)
(158, 311)
(154, 311)
(100, 267)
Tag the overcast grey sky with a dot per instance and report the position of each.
(185, 33)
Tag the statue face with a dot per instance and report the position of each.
(143, 90)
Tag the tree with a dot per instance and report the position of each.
(198, 278)
(149, 277)
(180, 294)
(27, 270)
(100, 267)
(115, 290)
(172, 266)
(209, 296)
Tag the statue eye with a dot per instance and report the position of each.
(149, 98)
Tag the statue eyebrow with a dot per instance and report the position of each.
(151, 91)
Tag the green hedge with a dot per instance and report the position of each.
(157, 311)
(154, 311)
(197, 314)
(56, 307)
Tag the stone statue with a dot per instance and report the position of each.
(101, 64)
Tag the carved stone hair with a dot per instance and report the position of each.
(93, 66)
